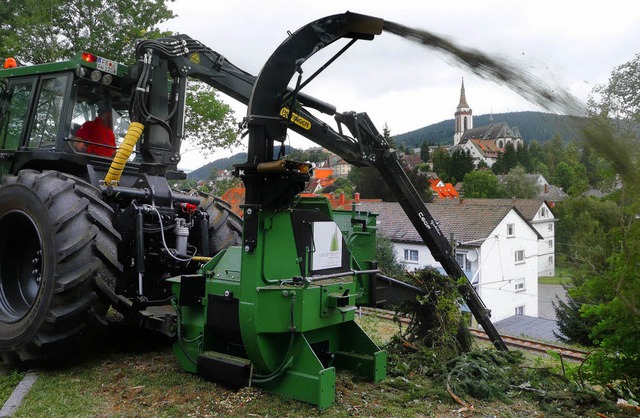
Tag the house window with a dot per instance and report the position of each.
(550, 227)
(520, 310)
(519, 287)
(463, 261)
(511, 230)
(519, 256)
(543, 212)
(411, 255)
(550, 242)
(550, 259)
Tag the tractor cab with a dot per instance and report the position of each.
(63, 116)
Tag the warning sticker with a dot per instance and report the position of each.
(297, 119)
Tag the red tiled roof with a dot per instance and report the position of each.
(322, 172)
(235, 198)
(443, 190)
(487, 147)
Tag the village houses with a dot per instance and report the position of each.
(538, 213)
(496, 246)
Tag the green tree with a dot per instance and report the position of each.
(482, 165)
(618, 99)
(424, 151)
(367, 182)
(40, 31)
(553, 151)
(482, 184)
(461, 163)
(386, 257)
(340, 185)
(386, 134)
(606, 284)
(599, 172)
(442, 163)
(524, 158)
(420, 182)
(564, 175)
(517, 184)
(506, 160)
(536, 154)
(312, 155)
(221, 186)
(209, 123)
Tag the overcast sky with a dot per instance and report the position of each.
(574, 45)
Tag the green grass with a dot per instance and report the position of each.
(9, 379)
(562, 276)
(552, 280)
(142, 378)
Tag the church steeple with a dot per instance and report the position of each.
(463, 99)
(464, 119)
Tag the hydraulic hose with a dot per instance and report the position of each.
(134, 132)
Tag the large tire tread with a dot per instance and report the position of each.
(85, 248)
(225, 227)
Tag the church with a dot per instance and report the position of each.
(483, 143)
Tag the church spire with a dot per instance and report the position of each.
(464, 117)
(463, 99)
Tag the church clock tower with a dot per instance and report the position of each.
(464, 119)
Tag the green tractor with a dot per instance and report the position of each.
(73, 244)
(83, 230)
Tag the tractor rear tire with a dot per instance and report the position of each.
(56, 244)
(225, 227)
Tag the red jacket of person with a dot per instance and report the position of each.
(98, 133)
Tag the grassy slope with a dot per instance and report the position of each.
(144, 379)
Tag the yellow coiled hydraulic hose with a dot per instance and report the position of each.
(134, 132)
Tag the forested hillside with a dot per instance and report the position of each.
(220, 164)
(532, 125)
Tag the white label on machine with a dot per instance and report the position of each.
(107, 66)
(327, 240)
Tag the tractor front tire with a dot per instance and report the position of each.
(56, 243)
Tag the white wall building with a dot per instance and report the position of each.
(496, 247)
(538, 213)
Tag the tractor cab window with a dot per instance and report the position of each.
(14, 112)
(99, 120)
(48, 112)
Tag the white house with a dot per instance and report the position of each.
(538, 213)
(482, 150)
(340, 167)
(496, 246)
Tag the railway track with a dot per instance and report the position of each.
(511, 341)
